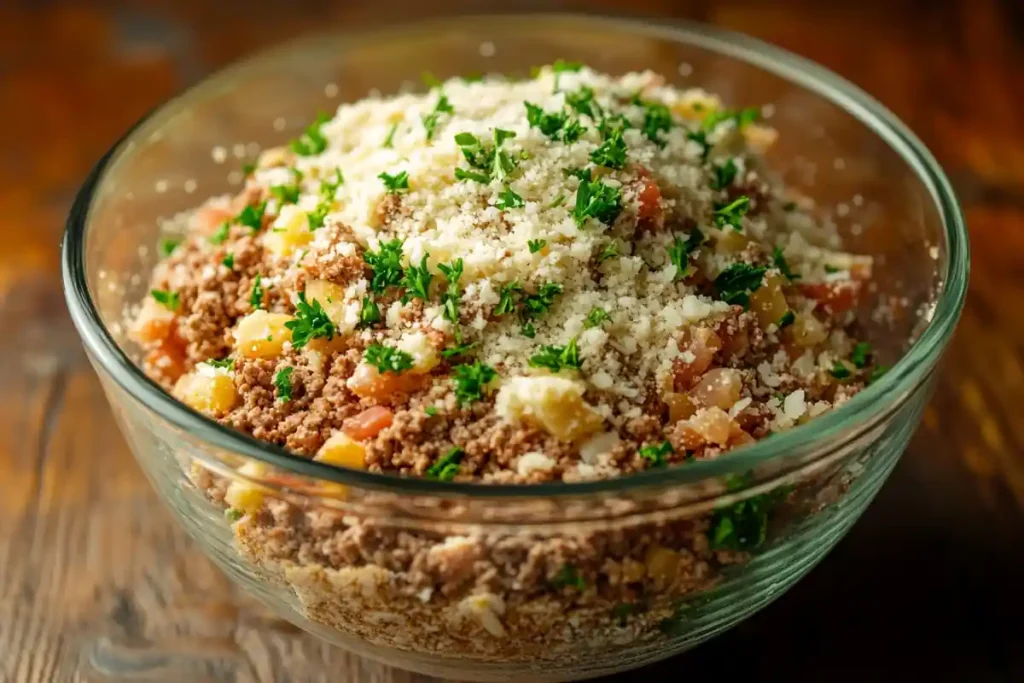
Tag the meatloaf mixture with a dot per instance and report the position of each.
(565, 278)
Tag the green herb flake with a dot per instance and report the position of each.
(557, 358)
(787, 319)
(657, 454)
(430, 411)
(224, 363)
(582, 101)
(416, 281)
(459, 350)
(312, 140)
(831, 269)
(596, 200)
(731, 214)
(679, 252)
(369, 313)
(228, 261)
(724, 175)
(167, 246)
(624, 610)
(561, 66)
(389, 139)
(779, 261)
(528, 330)
(611, 250)
(252, 216)
(388, 358)
(470, 380)
(397, 183)
(233, 514)
(507, 299)
(744, 525)
(451, 297)
(557, 126)
(735, 283)
(311, 322)
(657, 119)
(741, 118)
(283, 383)
(286, 194)
(316, 217)
(170, 300)
(328, 188)
(839, 370)
(876, 373)
(789, 206)
(386, 264)
(508, 199)
(447, 466)
(861, 354)
(256, 296)
(430, 120)
(535, 305)
(220, 234)
(569, 577)
(536, 245)
(611, 153)
(557, 201)
(595, 318)
(490, 161)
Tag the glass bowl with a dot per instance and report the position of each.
(448, 578)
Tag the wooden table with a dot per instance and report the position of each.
(96, 581)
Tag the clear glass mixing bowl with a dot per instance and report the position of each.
(332, 549)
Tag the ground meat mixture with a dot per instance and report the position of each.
(567, 278)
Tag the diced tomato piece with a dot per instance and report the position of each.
(167, 359)
(650, 215)
(368, 423)
(835, 297)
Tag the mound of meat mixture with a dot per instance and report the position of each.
(565, 278)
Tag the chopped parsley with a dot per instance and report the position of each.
(569, 577)
(170, 300)
(167, 246)
(861, 354)
(286, 194)
(556, 358)
(220, 234)
(508, 199)
(611, 250)
(225, 363)
(283, 382)
(536, 245)
(256, 296)
(735, 283)
(329, 187)
(779, 261)
(386, 264)
(839, 370)
(316, 217)
(583, 102)
(557, 126)
(787, 319)
(557, 201)
(430, 80)
(679, 252)
(491, 162)
(430, 120)
(416, 281)
(724, 175)
(742, 118)
(701, 138)
(233, 514)
(311, 322)
(388, 358)
(507, 300)
(789, 206)
(596, 200)
(611, 153)
(624, 610)
(397, 183)
(248, 168)
(252, 216)
(657, 454)
(731, 213)
(430, 411)
(561, 66)
(229, 261)
(657, 119)
(369, 313)
(831, 269)
(447, 466)
(459, 350)
(534, 305)
(451, 297)
(389, 139)
(744, 525)
(312, 140)
(470, 380)
(528, 330)
(595, 318)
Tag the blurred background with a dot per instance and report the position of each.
(96, 583)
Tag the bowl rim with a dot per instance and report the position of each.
(860, 413)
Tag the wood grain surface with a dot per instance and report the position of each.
(98, 584)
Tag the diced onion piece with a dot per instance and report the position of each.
(713, 424)
(553, 403)
(289, 232)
